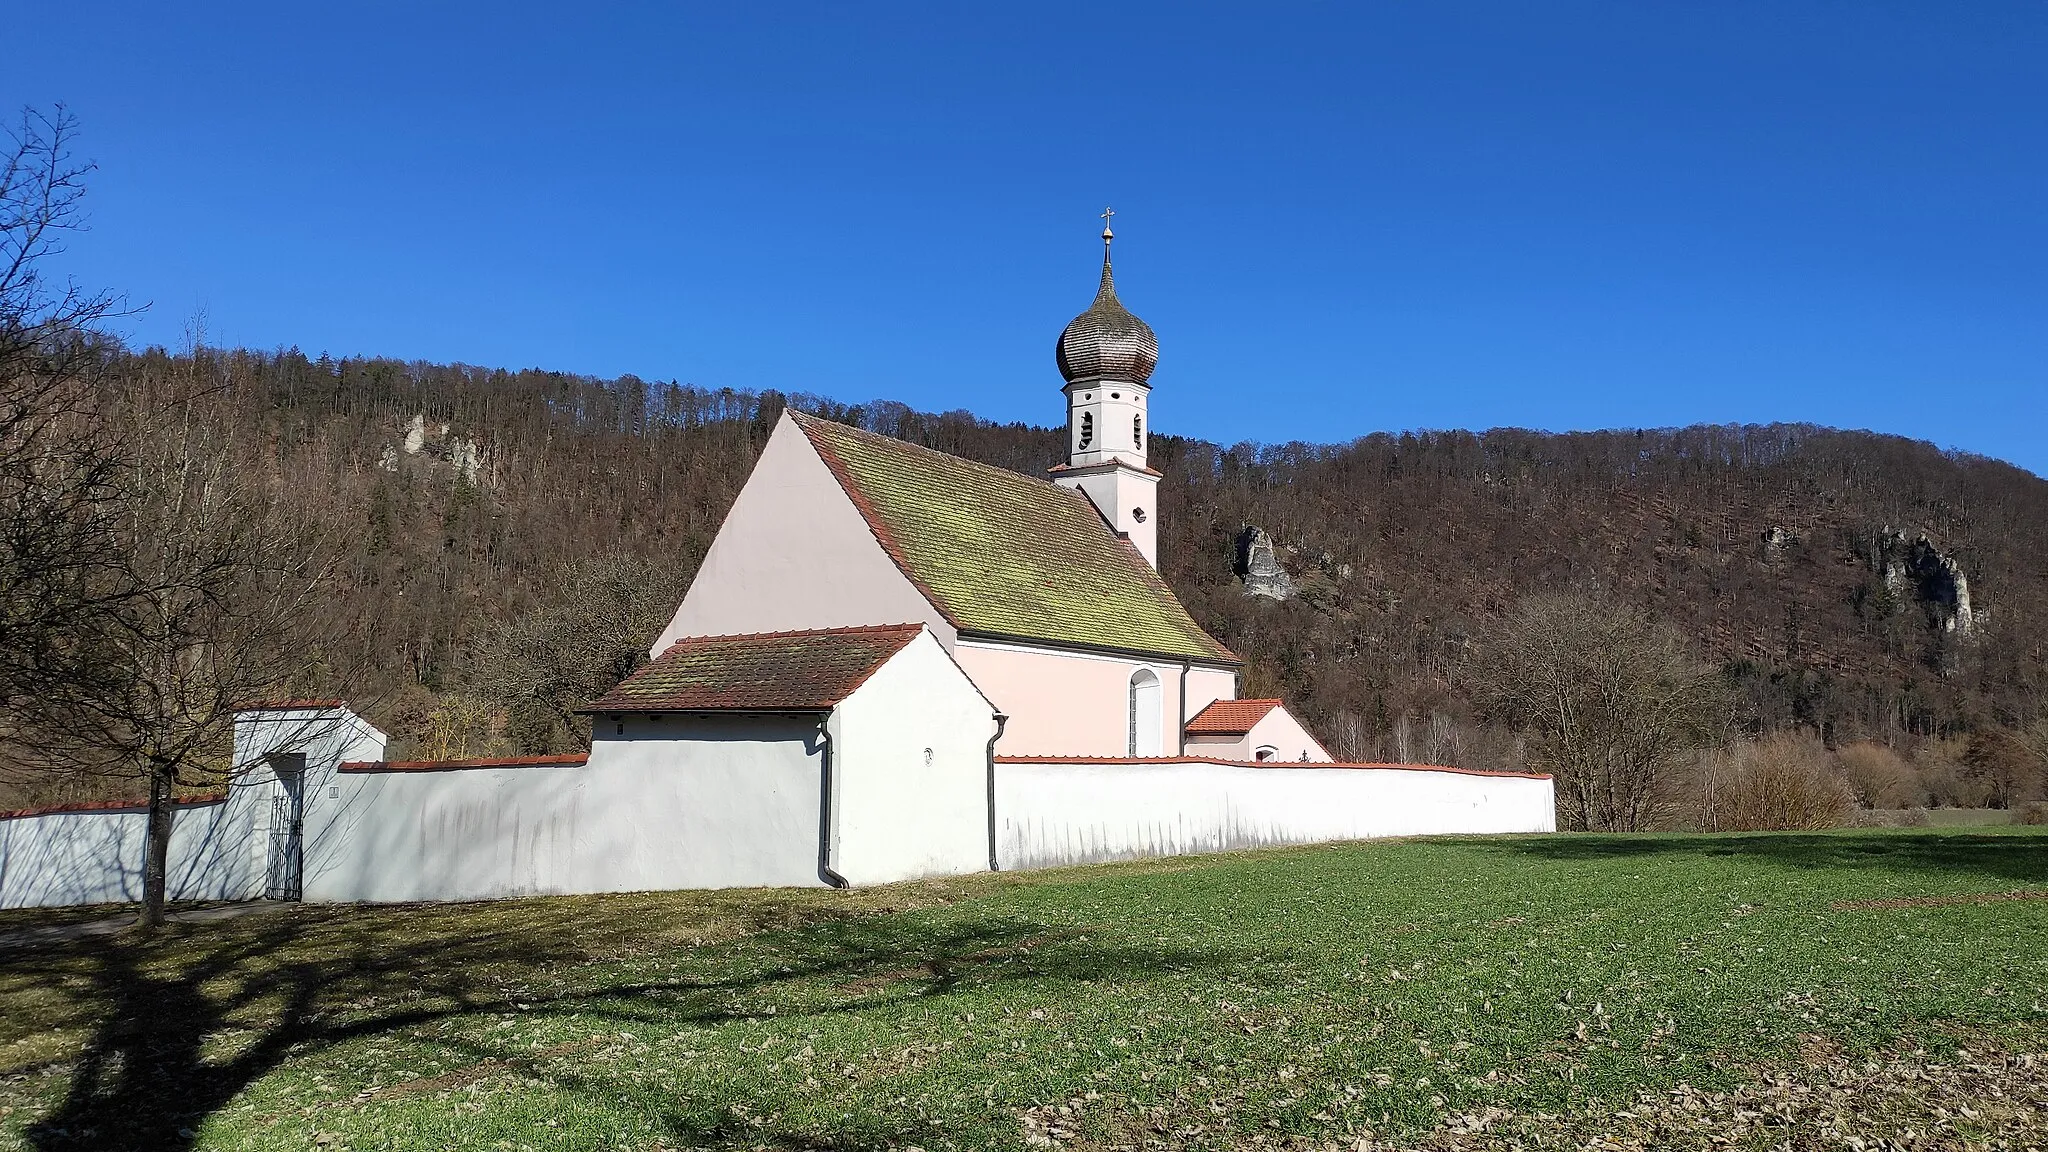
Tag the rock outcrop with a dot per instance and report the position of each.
(1258, 566)
(436, 444)
(1917, 570)
(1776, 540)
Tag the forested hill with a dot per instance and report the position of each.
(1789, 554)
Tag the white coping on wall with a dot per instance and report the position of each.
(1053, 811)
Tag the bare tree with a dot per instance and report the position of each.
(2005, 763)
(226, 591)
(1611, 703)
(59, 468)
(568, 653)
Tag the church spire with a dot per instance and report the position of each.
(1106, 342)
(1108, 284)
(1106, 356)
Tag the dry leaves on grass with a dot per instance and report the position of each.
(1909, 1102)
(1979, 1099)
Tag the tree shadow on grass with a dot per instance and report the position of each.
(182, 1025)
(2023, 859)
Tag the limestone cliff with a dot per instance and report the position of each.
(1258, 565)
(1916, 570)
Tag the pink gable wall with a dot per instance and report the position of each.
(1279, 729)
(795, 553)
(1077, 704)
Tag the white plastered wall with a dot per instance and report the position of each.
(902, 815)
(1055, 814)
(794, 553)
(1128, 500)
(1066, 703)
(674, 802)
(218, 851)
(95, 857)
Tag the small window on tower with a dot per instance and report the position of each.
(1087, 429)
(1138, 431)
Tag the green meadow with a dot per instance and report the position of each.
(1568, 991)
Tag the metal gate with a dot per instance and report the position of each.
(287, 861)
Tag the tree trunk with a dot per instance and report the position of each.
(157, 854)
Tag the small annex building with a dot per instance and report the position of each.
(892, 663)
(1260, 731)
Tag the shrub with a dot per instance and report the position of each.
(2003, 765)
(1950, 783)
(1785, 781)
(2032, 812)
(1881, 777)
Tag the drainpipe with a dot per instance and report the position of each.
(828, 815)
(1182, 735)
(1001, 720)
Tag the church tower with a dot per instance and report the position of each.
(1107, 356)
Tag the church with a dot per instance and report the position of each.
(1046, 594)
(893, 663)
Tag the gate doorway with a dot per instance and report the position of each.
(284, 879)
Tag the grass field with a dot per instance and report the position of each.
(1545, 991)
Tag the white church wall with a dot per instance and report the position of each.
(911, 755)
(1051, 814)
(763, 574)
(673, 802)
(1066, 703)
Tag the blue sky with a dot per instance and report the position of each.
(1340, 218)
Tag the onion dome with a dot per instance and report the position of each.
(1107, 341)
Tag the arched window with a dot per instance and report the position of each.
(1087, 429)
(1138, 433)
(1144, 726)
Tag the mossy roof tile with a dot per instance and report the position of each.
(762, 672)
(1006, 555)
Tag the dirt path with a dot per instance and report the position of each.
(120, 922)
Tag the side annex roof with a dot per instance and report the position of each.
(1230, 717)
(1006, 556)
(809, 671)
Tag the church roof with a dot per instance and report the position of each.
(1006, 556)
(762, 672)
(1230, 717)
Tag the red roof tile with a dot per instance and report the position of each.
(1230, 717)
(564, 760)
(809, 671)
(112, 805)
